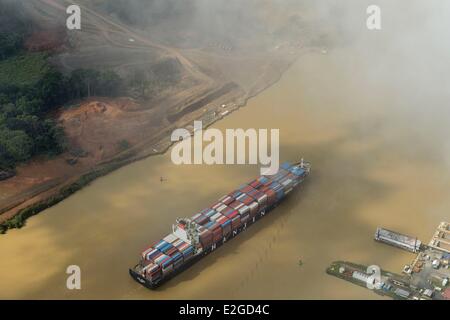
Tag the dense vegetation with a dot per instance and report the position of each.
(29, 92)
(30, 89)
(9, 44)
(14, 24)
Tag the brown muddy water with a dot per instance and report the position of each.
(372, 117)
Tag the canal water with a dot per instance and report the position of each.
(371, 115)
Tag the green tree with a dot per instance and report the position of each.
(109, 83)
(16, 144)
(51, 89)
(10, 44)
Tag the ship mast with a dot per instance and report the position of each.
(305, 165)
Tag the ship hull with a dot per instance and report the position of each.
(152, 285)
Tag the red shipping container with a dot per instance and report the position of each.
(206, 238)
(148, 250)
(217, 234)
(213, 226)
(271, 196)
(171, 251)
(236, 205)
(233, 214)
(247, 189)
(227, 211)
(255, 184)
(236, 222)
(157, 255)
(247, 200)
(201, 220)
(227, 228)
(222, 220)
(164, 260)
(206, 241)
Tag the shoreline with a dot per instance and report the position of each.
(23, 210)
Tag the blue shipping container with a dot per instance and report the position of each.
(286, 166)
(161, 244)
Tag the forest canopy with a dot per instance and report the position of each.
(30, 88)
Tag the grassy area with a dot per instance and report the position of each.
(24, 69)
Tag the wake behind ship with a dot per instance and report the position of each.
(193, 238)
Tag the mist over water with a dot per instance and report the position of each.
(371, 115)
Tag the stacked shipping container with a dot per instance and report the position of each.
(222, 220)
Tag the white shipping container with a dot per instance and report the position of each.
(225, 198)
(150, 267)
(205, 231)
(221, 208)
(146, 255)
(170, 238)
(244, 209)
(216, 216)
(262, 199)
(183, 247)
(178, 242)
(242, 196)
(239, 206)
(148, 250)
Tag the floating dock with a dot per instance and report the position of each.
(427, 278)
(398, 240)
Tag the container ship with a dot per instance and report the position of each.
(195, 237)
